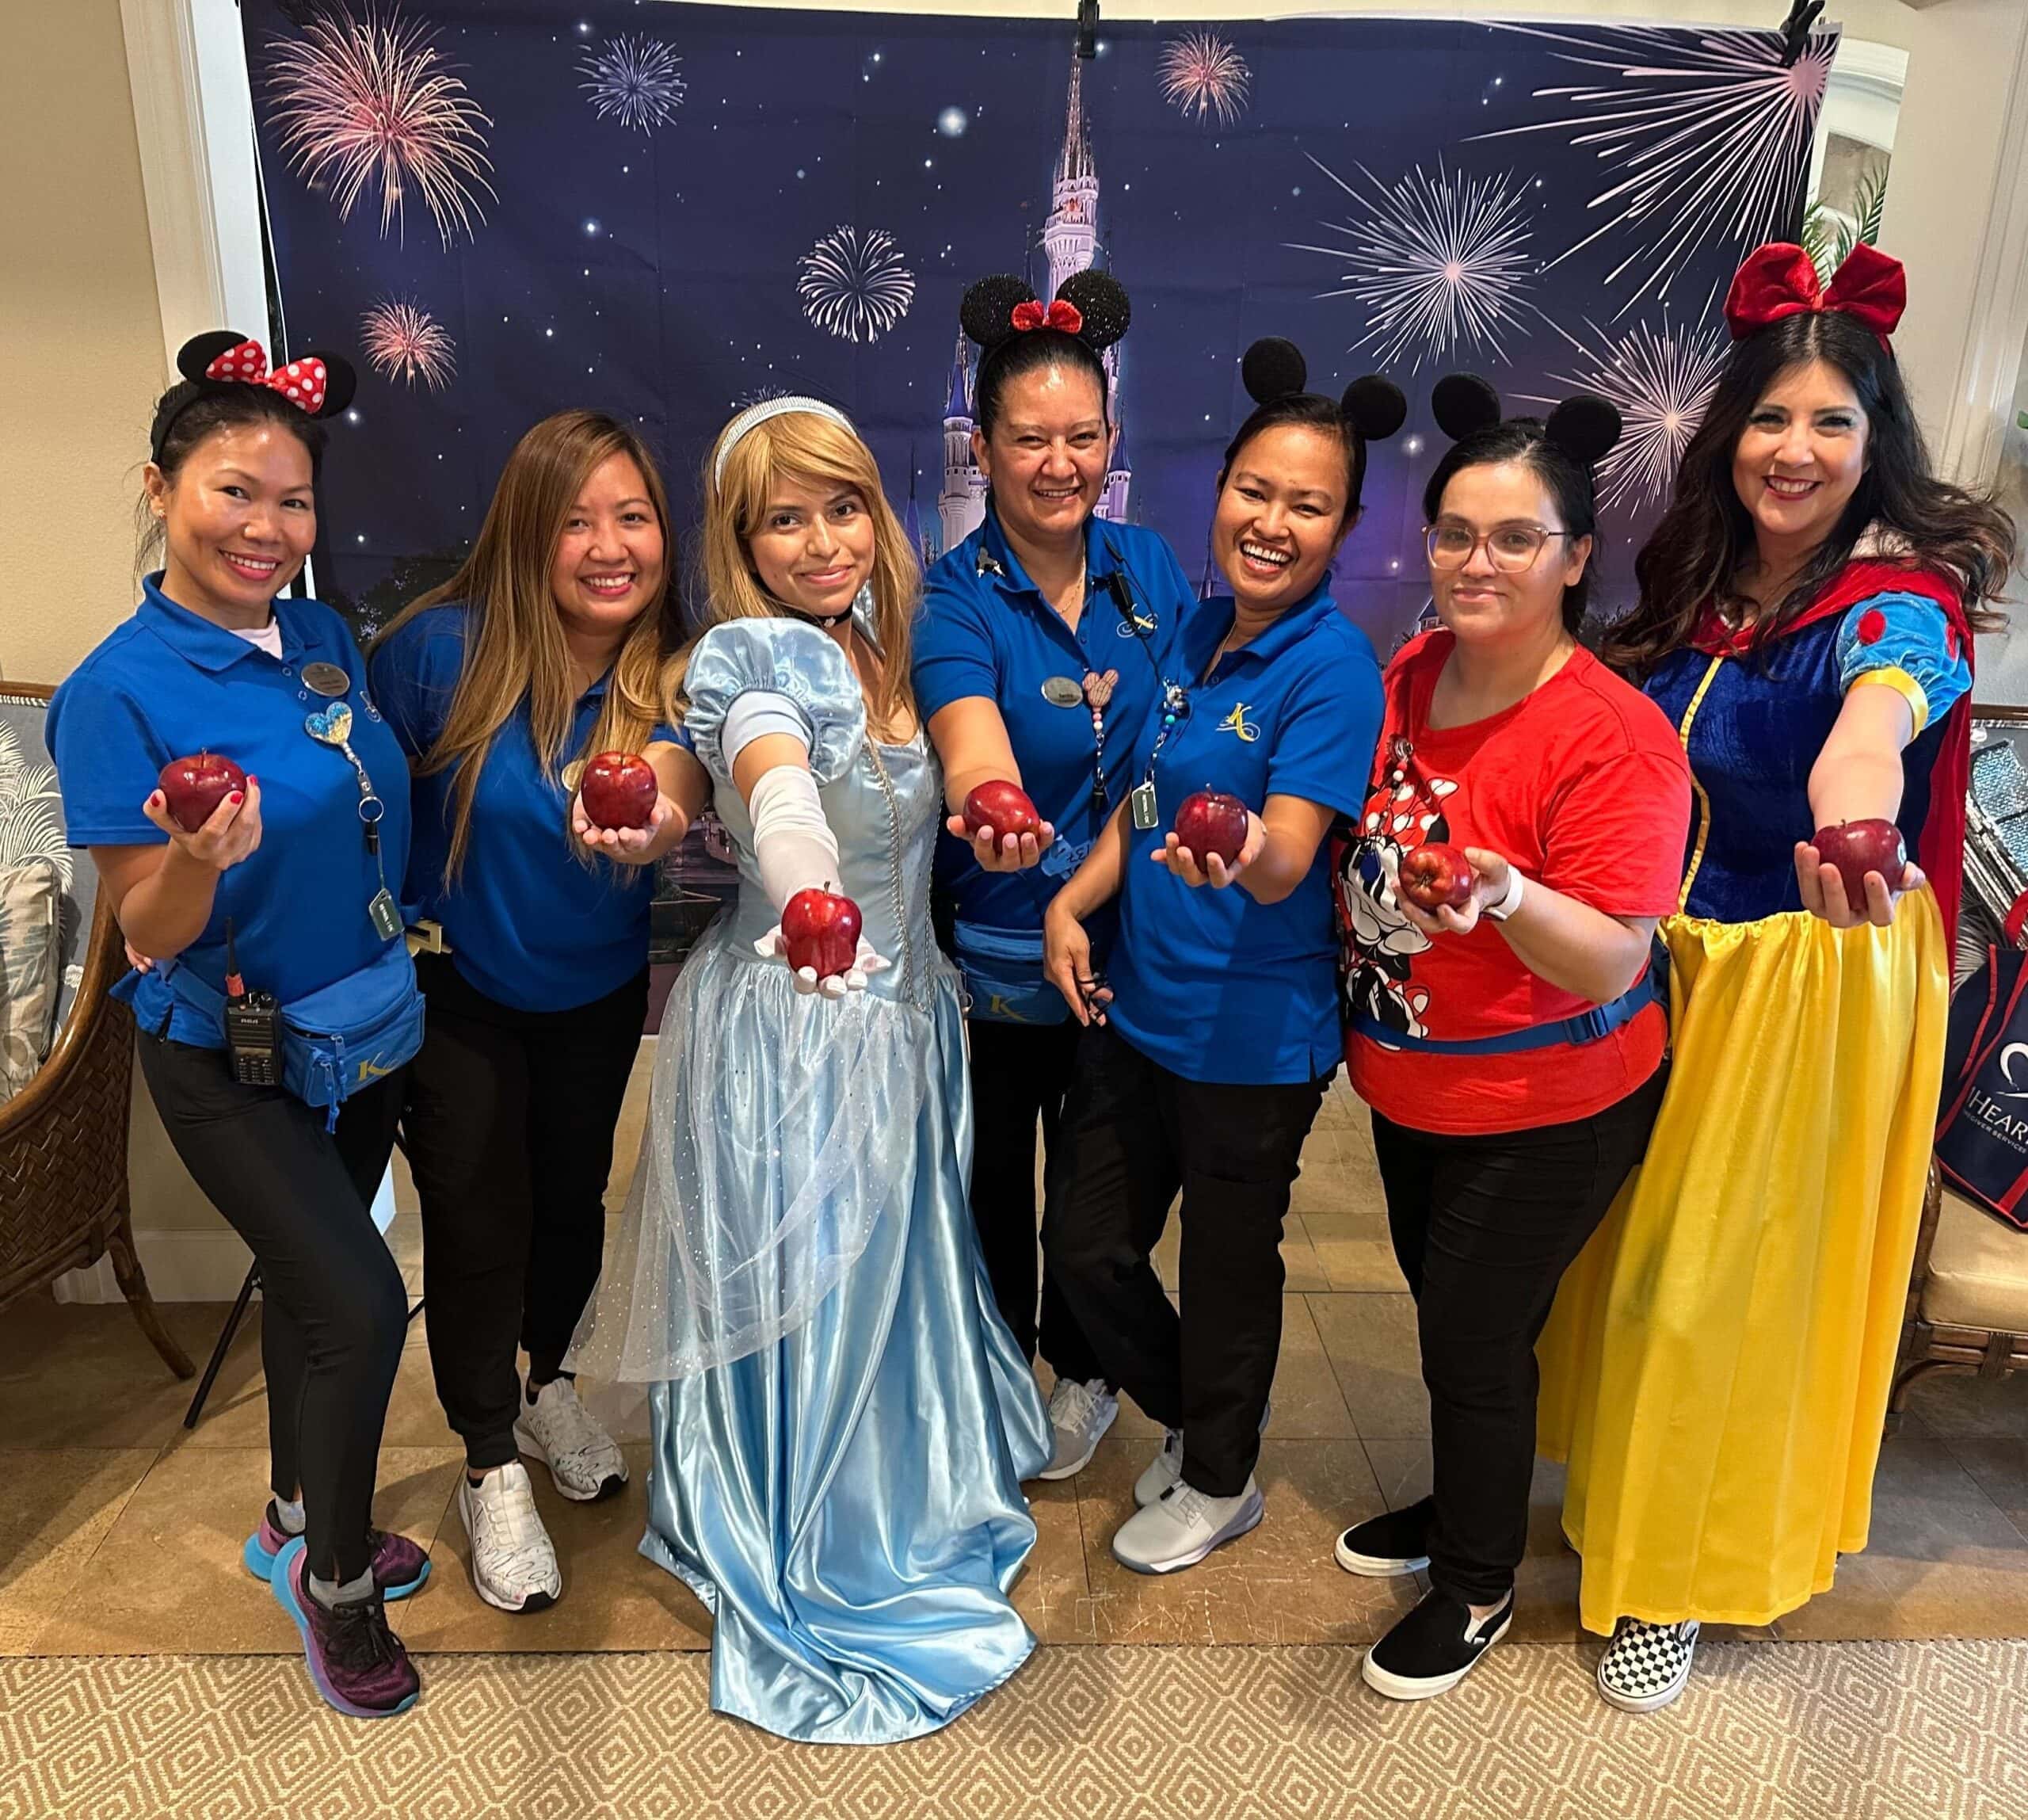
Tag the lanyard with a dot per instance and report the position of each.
(332, 727)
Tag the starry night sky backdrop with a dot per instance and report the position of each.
(653, 274)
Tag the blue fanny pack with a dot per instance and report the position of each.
(1651, 988)
(339, 1038)
(1003, 972)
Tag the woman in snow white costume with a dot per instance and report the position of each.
(1717, 1368)
(841, 1419)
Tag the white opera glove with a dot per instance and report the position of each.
(796, 851)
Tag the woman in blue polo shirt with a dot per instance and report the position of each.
(548, 646)
(286, 886)
(1045, 640)
(1205, 1062)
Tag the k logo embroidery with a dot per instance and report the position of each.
(1237, 723)
(1140, 626)
(368, 1074)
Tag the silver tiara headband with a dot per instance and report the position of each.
(755, 415)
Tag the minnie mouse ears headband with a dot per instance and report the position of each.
(1090, 306)
(1274, 368)
(319, 385)
(1780, 280)
(1583, 426)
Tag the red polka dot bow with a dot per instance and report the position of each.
(1780, 280)
(303, 381)
(1032, 314)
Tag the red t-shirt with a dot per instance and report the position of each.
(1583, 786)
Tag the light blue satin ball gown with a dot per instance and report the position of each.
(841, 1419)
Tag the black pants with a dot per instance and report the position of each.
(1484, 1229)
(332, 1308)
(509, 1127)
(1020, 1073)
(1133, 1134)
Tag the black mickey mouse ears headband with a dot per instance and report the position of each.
(1584, 427)
(1090, 306)
(1274, 368)
(319, 385)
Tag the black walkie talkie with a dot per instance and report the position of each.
(253, 1027)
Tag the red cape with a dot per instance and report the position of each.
(1941, 850)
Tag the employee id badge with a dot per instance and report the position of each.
(385, 915)
(1146, 812)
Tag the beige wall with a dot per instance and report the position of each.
(81, 363)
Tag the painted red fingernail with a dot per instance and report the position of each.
(236, 799)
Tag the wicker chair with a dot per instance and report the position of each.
(63, 1201)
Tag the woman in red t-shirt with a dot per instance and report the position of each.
(1511, 1047)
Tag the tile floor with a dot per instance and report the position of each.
(119, 1532)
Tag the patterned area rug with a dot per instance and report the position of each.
(1768, 1731)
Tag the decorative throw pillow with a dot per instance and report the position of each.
(31, 977)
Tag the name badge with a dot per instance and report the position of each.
(1063, 691)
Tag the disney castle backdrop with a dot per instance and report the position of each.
(499, 208)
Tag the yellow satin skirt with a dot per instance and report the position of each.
(1717, 1368)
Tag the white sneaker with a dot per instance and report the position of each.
(1079, 1415)
(585, 1461)
(1183, 1525)
(1166, 1468)
(514, 1565)
(1645, 1666)
(1161, 1472)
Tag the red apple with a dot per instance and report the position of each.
(1209, 822)
(821, 931)
(1858, 847)
(617, 790)
(193, 787)
(1002, 809)
(1436, 875)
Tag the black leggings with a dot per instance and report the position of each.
(1484, 1229)
(1020, 1072)
(333, 1306)
(510, 1128)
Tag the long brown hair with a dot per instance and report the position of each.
(814, 450)
(516, 646)
(1693, 560)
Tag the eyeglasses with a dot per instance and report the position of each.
(1510, 548)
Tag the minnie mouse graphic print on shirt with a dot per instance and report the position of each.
(1583, 785)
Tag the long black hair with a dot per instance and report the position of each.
(1275, 374)
(1693, 560)
(1560, 451)
(1007, 352)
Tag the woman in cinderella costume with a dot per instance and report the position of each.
(841, 1420)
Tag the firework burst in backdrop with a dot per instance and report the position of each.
(634, 81)
(1203, 74)
(1661, 380)
(854, 285)
(403, 341)
(1704, 136)
(1440, 262)
(362, 103)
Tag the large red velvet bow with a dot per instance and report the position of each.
(301, 381)
(1780, 280)
(1067, 317)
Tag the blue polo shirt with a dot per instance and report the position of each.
(167, 684)
(985, 630)
(1210, 983)
(528, 922)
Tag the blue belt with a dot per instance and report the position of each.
(1587, 1027)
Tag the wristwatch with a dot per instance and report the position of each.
(1510, 900)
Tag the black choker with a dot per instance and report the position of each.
(819, 618)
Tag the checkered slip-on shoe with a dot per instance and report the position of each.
(1645, 1666)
